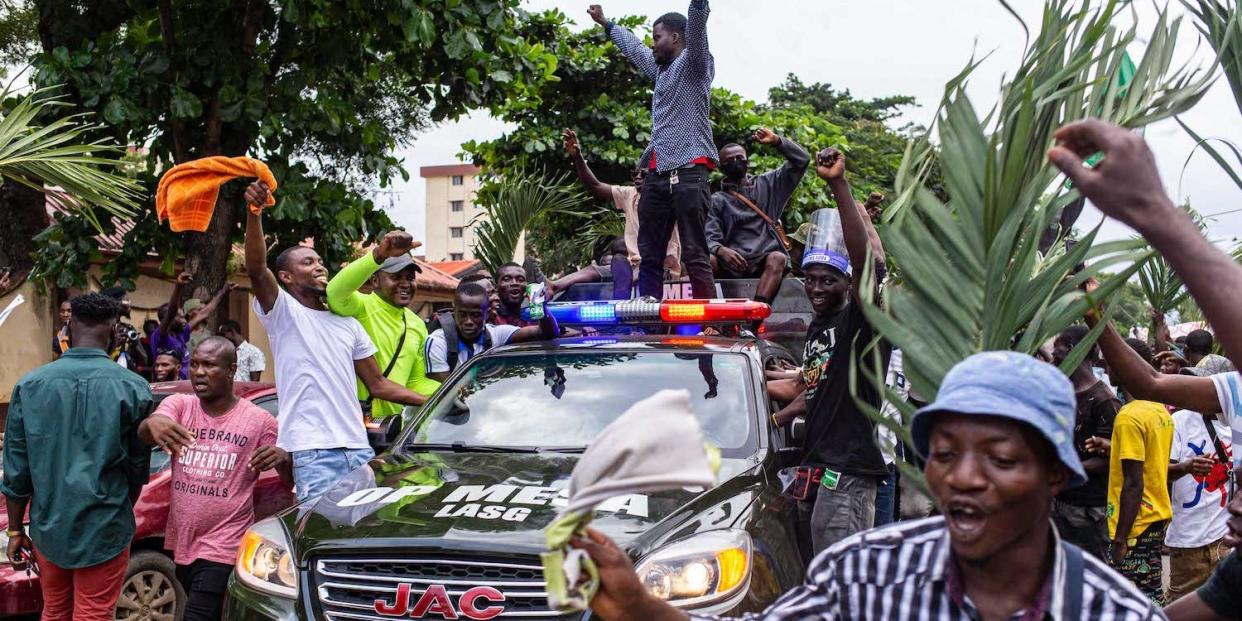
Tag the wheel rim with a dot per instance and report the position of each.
(147, 596)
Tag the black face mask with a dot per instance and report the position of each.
(735, 169)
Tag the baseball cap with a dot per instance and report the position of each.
(398, 263)
(1211, 364)
(192, 305)
(1009, 385)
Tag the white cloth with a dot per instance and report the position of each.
(249, 360)
(625, 199)
(886, 438)
(437, 347)
(1229, 391)
(314, 354)
(655, 445)
(1199, 503)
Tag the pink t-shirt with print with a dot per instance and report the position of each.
(212, 483)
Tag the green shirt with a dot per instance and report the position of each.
(71, 445)
(383, 323)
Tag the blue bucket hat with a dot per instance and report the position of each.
(824, 256)
(1010, 385)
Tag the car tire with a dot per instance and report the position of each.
(151, 590)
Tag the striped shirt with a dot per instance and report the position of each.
(680, 130)
(902, 572)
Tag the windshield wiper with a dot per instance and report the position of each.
(462, 447)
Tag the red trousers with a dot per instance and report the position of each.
(87, 594)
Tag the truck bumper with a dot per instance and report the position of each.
(243, 604)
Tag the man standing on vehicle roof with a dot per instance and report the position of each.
(839, 453)
(998, 445)
(219, 444)
(744, 231)
(682, 152)
(318, 357)
(71, 451)
(467, 332)
(398, 333)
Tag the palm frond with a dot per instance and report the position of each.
(974, 279)
(56, 157)
(518, 203)
(1221, 25)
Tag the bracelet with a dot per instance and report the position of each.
(15, 533)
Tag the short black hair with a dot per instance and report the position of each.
(230, 324)
(116, 293)
(230, 351)
(150, 322)
(285, 256)
(471, 289)
(94, 308)
(675, 22)
(476, 277)
(1074, 335)
(1141, 348)
(732, 144)
(1200, 341)
(511, 264)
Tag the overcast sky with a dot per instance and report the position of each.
(874, 49)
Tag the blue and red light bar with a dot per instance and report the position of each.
(621, 312)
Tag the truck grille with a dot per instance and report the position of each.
(348, 587)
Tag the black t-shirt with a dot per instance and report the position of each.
(1096, 410)
(1223, 590)
(839, 435)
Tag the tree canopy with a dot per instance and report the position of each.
(323, 91)
(600, 96)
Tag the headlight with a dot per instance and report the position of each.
(264, 562)
(702, 569)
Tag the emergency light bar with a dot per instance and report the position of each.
(619, 312)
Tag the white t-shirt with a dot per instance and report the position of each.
(1229, 391)
(437, 348)
(1199, 503)
(249, 359)
(886, 438)
(314, 355)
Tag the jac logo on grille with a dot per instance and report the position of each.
(436, 603)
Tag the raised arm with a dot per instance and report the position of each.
(598, 190)
(343, 296)
(262, 280)
(1126, 185)
(1184, 392)
(783, 180)
(634, 49)
(174, 300)
(830, 166)
(203, 314)
(545, 331)
(698, 52)
(383, 388)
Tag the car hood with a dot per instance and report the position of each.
(497, 502)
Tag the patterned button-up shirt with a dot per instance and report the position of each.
(904, 572)
(681, 131)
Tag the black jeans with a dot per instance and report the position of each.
(205, 583)
(662, 206)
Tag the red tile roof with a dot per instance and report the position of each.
(434, 279)
(456, 268)
(448, 170)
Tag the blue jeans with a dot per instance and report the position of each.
(886, 500)
(316, 471)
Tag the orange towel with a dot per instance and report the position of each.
(187, 193)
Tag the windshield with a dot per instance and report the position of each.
(564, 400)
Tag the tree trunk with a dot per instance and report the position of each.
(207, 254)
(25, 216)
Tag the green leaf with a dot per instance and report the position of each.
(185, 105)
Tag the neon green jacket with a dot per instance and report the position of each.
(382, 322)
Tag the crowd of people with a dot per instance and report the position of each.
(1056, 495)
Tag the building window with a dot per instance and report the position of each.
(457, 205)
(455, 232)
(456, 256)
(457, 180)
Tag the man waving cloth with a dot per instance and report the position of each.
(682, 153)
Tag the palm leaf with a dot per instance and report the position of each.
(56, 157)
(1221, 25)
(520, 200)
(974, 279)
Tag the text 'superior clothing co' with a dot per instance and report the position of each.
(314, 352)
(212, 482)
(839, 436)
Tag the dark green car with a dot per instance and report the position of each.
(449, 523)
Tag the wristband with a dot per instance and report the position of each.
(774, 423)
(14, 533)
